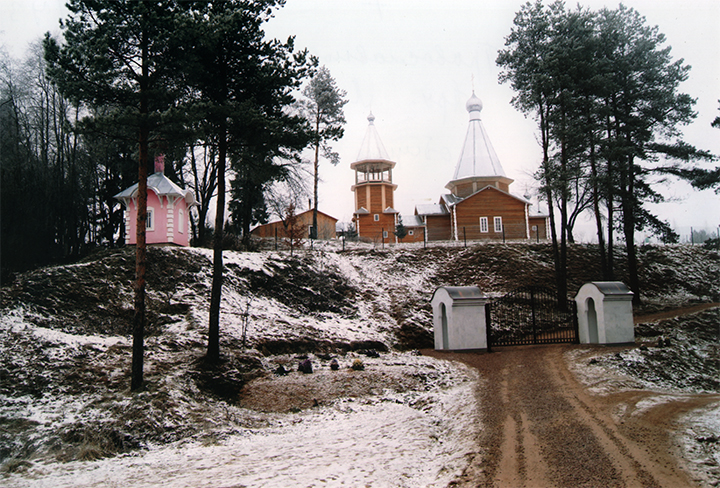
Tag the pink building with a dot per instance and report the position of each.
(168, 207)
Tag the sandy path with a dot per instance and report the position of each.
(542, 428)
(669, 314)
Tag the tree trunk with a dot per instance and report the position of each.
(629, 231)
(596, 210)
(545, 136)
(316, 177)
(610, 198)
(213, 351)
(140, 248)
(561, 269)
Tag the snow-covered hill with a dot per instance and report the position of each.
(68, 418)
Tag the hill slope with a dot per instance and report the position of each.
(65, 348)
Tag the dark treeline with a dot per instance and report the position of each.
(604, 91)
(57, 183)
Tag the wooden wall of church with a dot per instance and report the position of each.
(376, 203)
(418, 234)
(464, 190)
(371, 197)
(491, 203)
(541, 224)
(371, 230)
(361, 198)
(438, 227)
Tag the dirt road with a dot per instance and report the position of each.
(541, 427)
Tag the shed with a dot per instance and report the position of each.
(459, 318)
(605, 314)
(326, 226)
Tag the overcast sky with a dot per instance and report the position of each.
(414, 63)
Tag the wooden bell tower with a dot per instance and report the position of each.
(375, 216)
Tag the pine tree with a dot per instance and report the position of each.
(241, 105)
(121, 55)
(400, 229)
(603, 89)
(324, 110)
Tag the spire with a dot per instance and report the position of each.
(372, 147)
(478, 157)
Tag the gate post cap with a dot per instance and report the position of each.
(610, 290)
(461, 292)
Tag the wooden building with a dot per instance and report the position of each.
(414, 228)
(480, 205)
(374, 217)
(326, 227)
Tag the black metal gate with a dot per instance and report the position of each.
(530, 315)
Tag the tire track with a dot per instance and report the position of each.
(541, 428)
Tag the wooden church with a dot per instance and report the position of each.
(479, 206)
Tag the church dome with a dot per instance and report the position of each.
(478, 158)
(474, 104)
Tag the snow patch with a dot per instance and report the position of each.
(411, 439)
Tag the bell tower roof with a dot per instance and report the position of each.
(372, 148)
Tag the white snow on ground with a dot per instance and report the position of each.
(700, 440)
(413, 439)
(19, 319)
(598, 379)
(699, 433)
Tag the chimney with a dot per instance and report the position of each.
(160, 163)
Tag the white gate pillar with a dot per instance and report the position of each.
(459, 318)
(605, 314)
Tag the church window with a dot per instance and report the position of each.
(385, 234)
(150, 222)
(181, 221)
(411, 232)
(498, 224)
(483, 224)
(376, 217)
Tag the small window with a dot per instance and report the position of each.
(150, 222)
(376, 217)
(483, 224)
(411, 232)
(498, 224)
(385, 234)
(181, 221)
